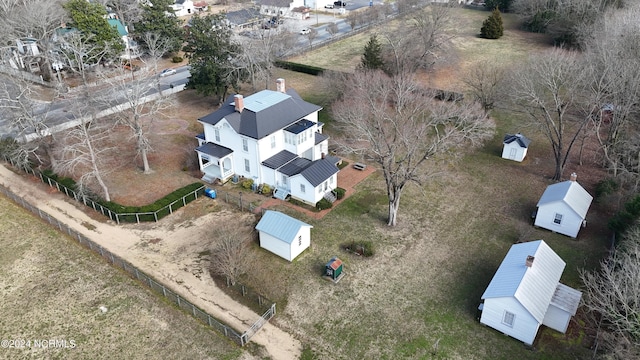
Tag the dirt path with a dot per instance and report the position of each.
(161, 250)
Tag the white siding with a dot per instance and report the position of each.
(557, 319)
(276, 246)
(571, 222)
(525, 327)
(520, 152)
(312, 194)
(301, 241)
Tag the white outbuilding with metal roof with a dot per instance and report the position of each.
(525, 293)
(283, 235)
(563, 207)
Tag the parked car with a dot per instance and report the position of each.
(167, 72)
(340, 3)
(328, 6)
(305, 31)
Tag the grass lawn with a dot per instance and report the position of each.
(424, 284)
(52, 288)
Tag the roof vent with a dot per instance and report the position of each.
(529, 261)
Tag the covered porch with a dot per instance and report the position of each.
(215, 161)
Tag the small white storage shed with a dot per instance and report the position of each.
(563, 207)
(515, 147)
(525, 293)
(283, 235)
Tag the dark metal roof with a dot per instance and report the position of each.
(279, 159)
(522, 140)
(214, 150)
(299, 126)
(268, 117)
(244, 16)
(319, 171)
(320, 138)
(200, 136)
(295, 166)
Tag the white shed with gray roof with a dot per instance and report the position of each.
(515, 146)
(283, 235)
(563, 207)
(525, 293)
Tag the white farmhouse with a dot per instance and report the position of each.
(515, 147)
(525, 293)
(563, 207)
(283, 235)
(280, 8)
(273, 138)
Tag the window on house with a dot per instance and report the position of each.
(558, 219)
(302, 188)
(216, 133)
(326, 183)
(508, 318)
(247, 165)
(331, 180)
(319, 189)
(245, 145)
(273, 141)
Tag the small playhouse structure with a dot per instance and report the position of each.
(283, 235)
(515, 147)
(563, 207)
(333, 269)
(525, 293)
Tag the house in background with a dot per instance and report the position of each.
(279, 8)
(132, 50)
(563, 207)
(283, 235)
(183, 7)
(270, 137)
(515, 147)
(525, 293)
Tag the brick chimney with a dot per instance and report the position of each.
(573, 177)
(238, 100)
(529, 261)
(280, 85)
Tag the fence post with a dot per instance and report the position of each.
(178, 297)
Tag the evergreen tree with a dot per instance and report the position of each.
(213, 56)
(90, 20)
(372, 57)
(502, 5)
(492, 28)
(155, 20)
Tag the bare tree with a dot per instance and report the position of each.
(230, 255)
(332, 29)
(38, 20)
(401, 126)
(486, 82)
(420, 41)
(312, 35)
(84, 150)
(550, 88)
(29, 122)
(612, 295)
(156, 47)
(139, 103)
(612, 53)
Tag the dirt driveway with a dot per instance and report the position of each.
(167, 251)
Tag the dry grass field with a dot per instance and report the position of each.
(51, 289)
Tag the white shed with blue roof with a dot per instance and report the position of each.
(283, 235)
(525, 293)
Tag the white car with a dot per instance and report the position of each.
(167, 72)
(305, 31)
(328, 6)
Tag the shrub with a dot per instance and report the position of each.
(492, 28)
(307, 69)
(266, 189)
(177, 59)
(247, 183)
(606, 187)
(339, 192)
(324, 204)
